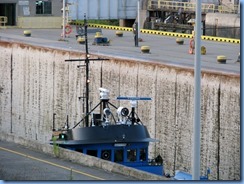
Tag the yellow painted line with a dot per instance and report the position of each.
(165, 33)
(221, 39)
(53, 164)
(174, 34)
(110, 27)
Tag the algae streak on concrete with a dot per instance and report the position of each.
(36, 82)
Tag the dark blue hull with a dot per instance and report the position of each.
(122, 144)
(133, 155)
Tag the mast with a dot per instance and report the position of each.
(87, 73)
(87, 62)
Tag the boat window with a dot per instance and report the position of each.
(118, 156)
(92, 153)
(106, 154)
(131, 155)
(143, 154)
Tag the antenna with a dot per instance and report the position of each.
(133, 98)
(87, 62)
(133, 102)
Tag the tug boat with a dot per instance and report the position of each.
(122, 139)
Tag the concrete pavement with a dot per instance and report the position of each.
(163, 49)
(14, 150)
(20, 163)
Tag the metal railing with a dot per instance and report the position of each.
(228, 9)
(3, 21)
(187, 6)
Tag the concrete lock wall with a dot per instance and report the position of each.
(36, 83)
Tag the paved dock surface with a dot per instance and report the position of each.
(20, 164)
(163, 49)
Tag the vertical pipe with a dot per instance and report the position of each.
(11, 92)
(54, 114)
(138, 17)
(118, 9)
(197, 96)
(87, 8)
(218, 132)
(109, 9)
(87, 73)
(239, 6)
(77, 9)
(203, 28)
(98, 10)
(63, 19)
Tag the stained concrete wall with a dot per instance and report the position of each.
(36, 83)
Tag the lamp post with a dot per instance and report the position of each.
(138, 17)
(197, 96)
(63, 32)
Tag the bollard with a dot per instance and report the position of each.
(98, 35)
(180, 41)
(145, 49)
(203, 50)
(27, 33)
(221, 59)
(119, 33)
(81, 40)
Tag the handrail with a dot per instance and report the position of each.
(3, 21)
(228, 9)
(188, 6)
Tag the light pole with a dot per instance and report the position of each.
(197, 96)
(63, 35)
(138, 17)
